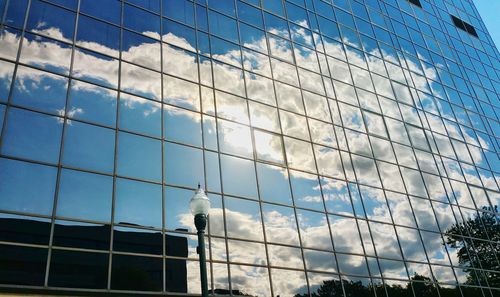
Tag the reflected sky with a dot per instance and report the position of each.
(328, 144)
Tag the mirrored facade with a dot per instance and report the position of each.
(349, 147)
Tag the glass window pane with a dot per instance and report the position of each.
(294, 125)
(27, 187)
(231, 107)
(183, 165)
(137, 241)
(223, 26)
(322, 133)
(320, 261)
(50, 20)
(141, 21)
(140, 115)
(177, 213)
(5, 77)
(183, 126)
(22, 265)
(108, 10)
(139, 157)
(181, 93)
(26, 229)
(127, 268)
(264, 117)
(92, 103)
(32, 135)
(138, 203)
(283, 287)
(89, 147)
(273, 184)
(268, 147)
(84, 196)
(329, 162)
(243, 213)
(289, 98)
(285, 256)
(238, 177)
(140, 81)
(299, 154)
(40, 90)
(179, 10)
(251, 280)
(81, 235)
(141, 50)
(98, 36)
(235, 138)
(336, 196)
(306, 190)
(314, 229)
(280, 223)
(247, 252)
(92, 269)
(104, 73)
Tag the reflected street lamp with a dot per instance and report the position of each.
(200, 205)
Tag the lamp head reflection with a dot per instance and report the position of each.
(199, 204)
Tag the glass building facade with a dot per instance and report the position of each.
(349, 147)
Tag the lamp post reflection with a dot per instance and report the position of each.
(200, 205)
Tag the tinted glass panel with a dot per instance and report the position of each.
(125, 271)
(77, 269)
(22, 265)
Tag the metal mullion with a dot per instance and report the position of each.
(205, 171)
(470, 193)
(266, 242)
(115, 163)
(162, 105)
(218, 154)
(348, 188)
(346, 180)
(14, 72)
(61, 153)
(386, 202)
(432, 207)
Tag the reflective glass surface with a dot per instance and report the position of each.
(348, 147)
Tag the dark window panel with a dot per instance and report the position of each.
(464, 26)
(137, 241)
(22, 265)
(81, 235)
(24, 229)
(78, 269)
(136, 273)
(176, 275)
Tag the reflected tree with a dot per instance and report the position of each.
(474, 253)
(419, 286)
